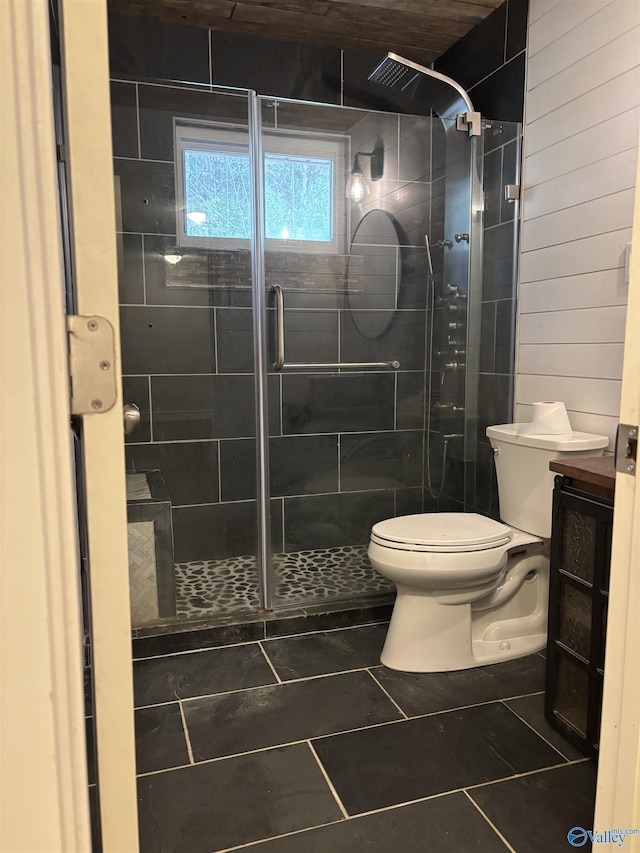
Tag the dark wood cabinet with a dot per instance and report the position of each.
(578, 597)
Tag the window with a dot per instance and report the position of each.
(303, 209)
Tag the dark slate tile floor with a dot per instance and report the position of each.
(305, 744)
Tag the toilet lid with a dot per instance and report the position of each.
(441, 531)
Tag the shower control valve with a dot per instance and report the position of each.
(454, 290)
(447, 407)
(440, 353)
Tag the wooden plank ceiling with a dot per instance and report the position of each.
(421, 30)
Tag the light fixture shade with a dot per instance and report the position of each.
(357, 187)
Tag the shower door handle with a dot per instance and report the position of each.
(280, 363)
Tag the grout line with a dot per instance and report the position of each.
(270, 684)
(263, 639)
(144, 273)
(280, 746)
(145, 233)
(387, 694)
(464, 790)
(118, 158)
(284, 533)
(395, 403)
(491, 824)
(186, 734)
(218, 454)
(495, 70)
(268, 660)
(225, 757)
(505, 34)
(290, 435)
(345, 731)
(210, 46)
(186, 85)
(215, 339)
(535, 731)
(380, 490)
(150, 412)
(278, 837)
(328, 780)
(137, 91)
(524, 775)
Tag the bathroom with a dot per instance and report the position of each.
(253, 583)
(345, 449)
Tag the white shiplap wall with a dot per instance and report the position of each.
(582, 108)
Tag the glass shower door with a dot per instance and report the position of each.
(347, 275)
(184, 193)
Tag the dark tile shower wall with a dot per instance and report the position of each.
(367, 430)
(490, 62)
(346, 450)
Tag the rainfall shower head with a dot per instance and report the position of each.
(394, 73)
(397, 73)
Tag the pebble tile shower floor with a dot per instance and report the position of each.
(216, 587)
(306, 744)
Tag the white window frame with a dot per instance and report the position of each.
(218, 136)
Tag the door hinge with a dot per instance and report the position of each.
(471, 122)
(92, 357)
(627, 449)
(511, 192)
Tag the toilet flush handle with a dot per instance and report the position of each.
(496, 451)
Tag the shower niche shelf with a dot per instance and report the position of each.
(578, 598)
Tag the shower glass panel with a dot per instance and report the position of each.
(490, 368)
(353, 274)
(184, 193)
(369, 262)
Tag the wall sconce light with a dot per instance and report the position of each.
(357, 185)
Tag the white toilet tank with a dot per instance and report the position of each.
(525, 483)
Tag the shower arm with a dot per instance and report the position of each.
(280, 363)
(427, 72)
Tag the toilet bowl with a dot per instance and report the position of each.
(471, 590)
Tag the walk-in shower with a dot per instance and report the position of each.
(302, 357)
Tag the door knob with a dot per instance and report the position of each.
(131, 414)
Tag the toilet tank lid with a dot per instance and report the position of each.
(567, 442)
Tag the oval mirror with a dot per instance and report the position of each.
(373, 272)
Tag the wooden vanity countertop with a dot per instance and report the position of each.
(598, 471)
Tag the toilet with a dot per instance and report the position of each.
(470, 590)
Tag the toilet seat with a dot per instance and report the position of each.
(441, 532)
